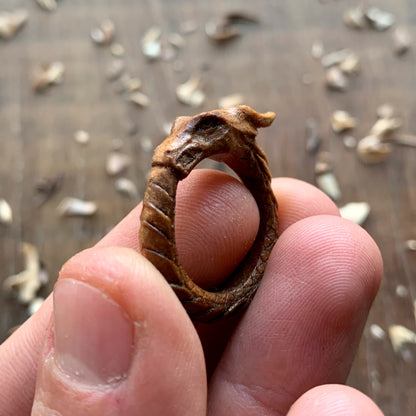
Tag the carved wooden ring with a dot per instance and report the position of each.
(224, 135)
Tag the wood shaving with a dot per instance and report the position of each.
(317, 50)
(411, 245)
(151, 43)
(6, 214)
(77, 207)
(372, 150)
(350, 65)
(12, 22)
(221, 31)
(401, 40)
(241, 16)
(357, 212)
(176, 40)
(231, 100)
(384, 127)
(188, 26)
(355, 18)
(190, 92)
(385, 111)
(116, 144)
(117, 50)
(117, 163)
(328, 183)
(335, 79)
(401, 291)
(27, 282)
(48, 5)
(313, 138)
(350, 142)
(140, 99)
(126, 188)
(35, 305)
(82, 137)
(47, 75)
(115, 69)
(323, 163)
(400, 336)
(377, 332)
(104, 33)
(335, 58)
(48, 186)
(147, 144)
(405, 140)
(341, 121)
(379, 19)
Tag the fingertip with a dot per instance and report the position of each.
(298, 199)
(117, 326)
(334, 400)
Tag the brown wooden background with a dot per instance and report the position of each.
(267, 65)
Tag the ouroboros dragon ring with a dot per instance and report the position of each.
(227, 136)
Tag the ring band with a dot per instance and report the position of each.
(227, 136)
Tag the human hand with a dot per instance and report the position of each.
(119, 342)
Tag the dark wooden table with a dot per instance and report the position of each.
(272, 66)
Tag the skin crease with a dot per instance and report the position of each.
(247, 388)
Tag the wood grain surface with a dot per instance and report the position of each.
(269, 64)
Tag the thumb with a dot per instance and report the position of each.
(119, 342)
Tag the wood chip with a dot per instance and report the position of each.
(357, 212)
(27, 282)
(341, 121)
(231, 100)
(82, 137)
(190, 92)
(117, 163)
(355, 18)
(151, 43)
(104, 33)
(77, 207)
(48, 5)
(140, 99)
(6, 214)
(47, 75)
(400, 336)
(335, 79)
(328, 183)
(379, 19)
(372, 150)
(12, 22)
(126, 188)
(401, 40)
